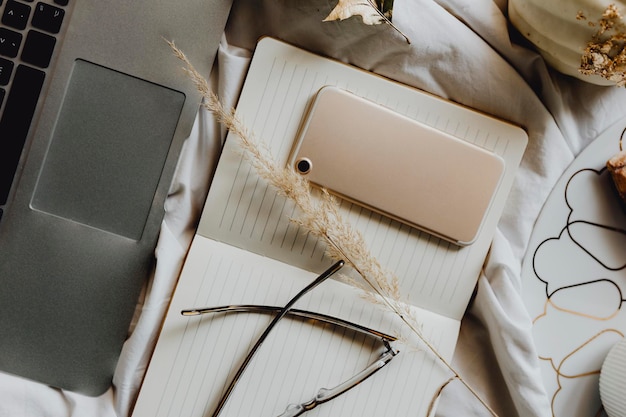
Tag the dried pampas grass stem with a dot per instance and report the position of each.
(319, 216)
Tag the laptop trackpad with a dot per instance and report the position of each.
(108, 150)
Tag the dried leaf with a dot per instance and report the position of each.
(346, 9)
(372, 12)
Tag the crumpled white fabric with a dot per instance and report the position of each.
(462, 50)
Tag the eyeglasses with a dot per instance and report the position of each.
(324, 394)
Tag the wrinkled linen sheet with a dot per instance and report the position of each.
(462, 50)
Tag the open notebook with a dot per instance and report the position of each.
(247, 251)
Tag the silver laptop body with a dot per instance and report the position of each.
(82, 216)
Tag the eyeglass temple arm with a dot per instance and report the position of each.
(283, 311)
(255, 308)
(326, 394)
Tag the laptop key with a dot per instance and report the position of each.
(6, 67)
(48, 18)
(16, 14)
(9, 42)
(38, 49)
(15, 122)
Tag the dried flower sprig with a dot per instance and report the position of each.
(605, 53)
(320, 217)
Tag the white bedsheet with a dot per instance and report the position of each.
(461, 50)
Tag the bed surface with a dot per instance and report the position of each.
(462, 50)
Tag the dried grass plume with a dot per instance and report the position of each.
(320, 216)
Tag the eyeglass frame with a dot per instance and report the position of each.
(324, 394)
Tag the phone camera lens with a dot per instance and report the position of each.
(303, 165)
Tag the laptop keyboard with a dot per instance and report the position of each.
(28, 31)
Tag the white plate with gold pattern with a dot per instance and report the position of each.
(574, 279)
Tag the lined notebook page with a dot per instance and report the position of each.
(196, 356)
(242, 210)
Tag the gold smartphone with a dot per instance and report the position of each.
(396, 166)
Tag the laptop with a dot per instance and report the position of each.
(94, 109)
